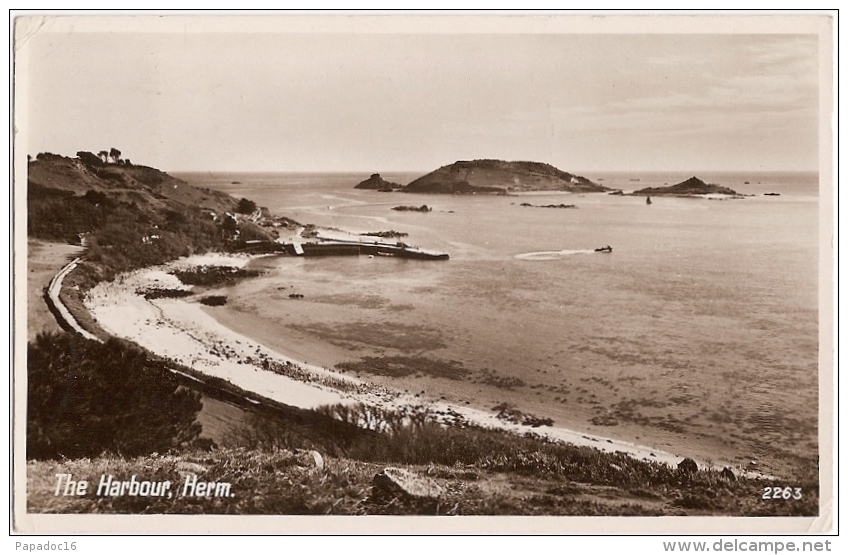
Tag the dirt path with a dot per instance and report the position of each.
(44, 260)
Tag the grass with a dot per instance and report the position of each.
(415, 439)
(72, 295)
(286, 481)
(44, 260)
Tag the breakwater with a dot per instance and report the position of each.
(344, 248)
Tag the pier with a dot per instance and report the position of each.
(345, 248)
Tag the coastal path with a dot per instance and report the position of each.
(59, 309)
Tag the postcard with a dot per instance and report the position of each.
(424, 273)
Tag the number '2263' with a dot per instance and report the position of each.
(782, 493)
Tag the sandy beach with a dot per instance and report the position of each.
(181, 330)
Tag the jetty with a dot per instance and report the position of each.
(337, 247)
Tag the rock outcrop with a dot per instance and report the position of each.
(378, 183)
(395, 482)
(527, 204)
(690, 187)
(422, 208)
(498, 176)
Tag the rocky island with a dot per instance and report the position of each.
(378, 183)
(500, 177)
(691, 187)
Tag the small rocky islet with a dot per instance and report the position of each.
(691, 187)
(377, 183)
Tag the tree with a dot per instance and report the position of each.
(86, 398)
(229, 224)
(115, 154)
(89, 159)
(104, 156)
(246, 206)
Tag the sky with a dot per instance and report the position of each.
(381, 102)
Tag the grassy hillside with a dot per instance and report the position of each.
(127, 216)
(264, 479)
(152, 189)
(150, 213)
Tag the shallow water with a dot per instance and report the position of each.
(698, 333)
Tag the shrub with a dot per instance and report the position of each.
(86, 398)
(58, 214)
(89, 158)
(246, 206)
(249, 231)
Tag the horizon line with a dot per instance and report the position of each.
(423, 172)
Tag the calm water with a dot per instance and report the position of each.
(698, 334)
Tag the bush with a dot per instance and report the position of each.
(86, 398)
(58, 214)
(246, 206)
(89, 158)
(249, 231)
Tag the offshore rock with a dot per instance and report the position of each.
(690, 187)
(378, 183)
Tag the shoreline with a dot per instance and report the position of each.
(184, 331)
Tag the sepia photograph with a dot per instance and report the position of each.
(423, 265)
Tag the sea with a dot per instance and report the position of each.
(698, 334)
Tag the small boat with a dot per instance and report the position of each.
(604, 249)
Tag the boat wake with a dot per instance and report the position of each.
(552, 255)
